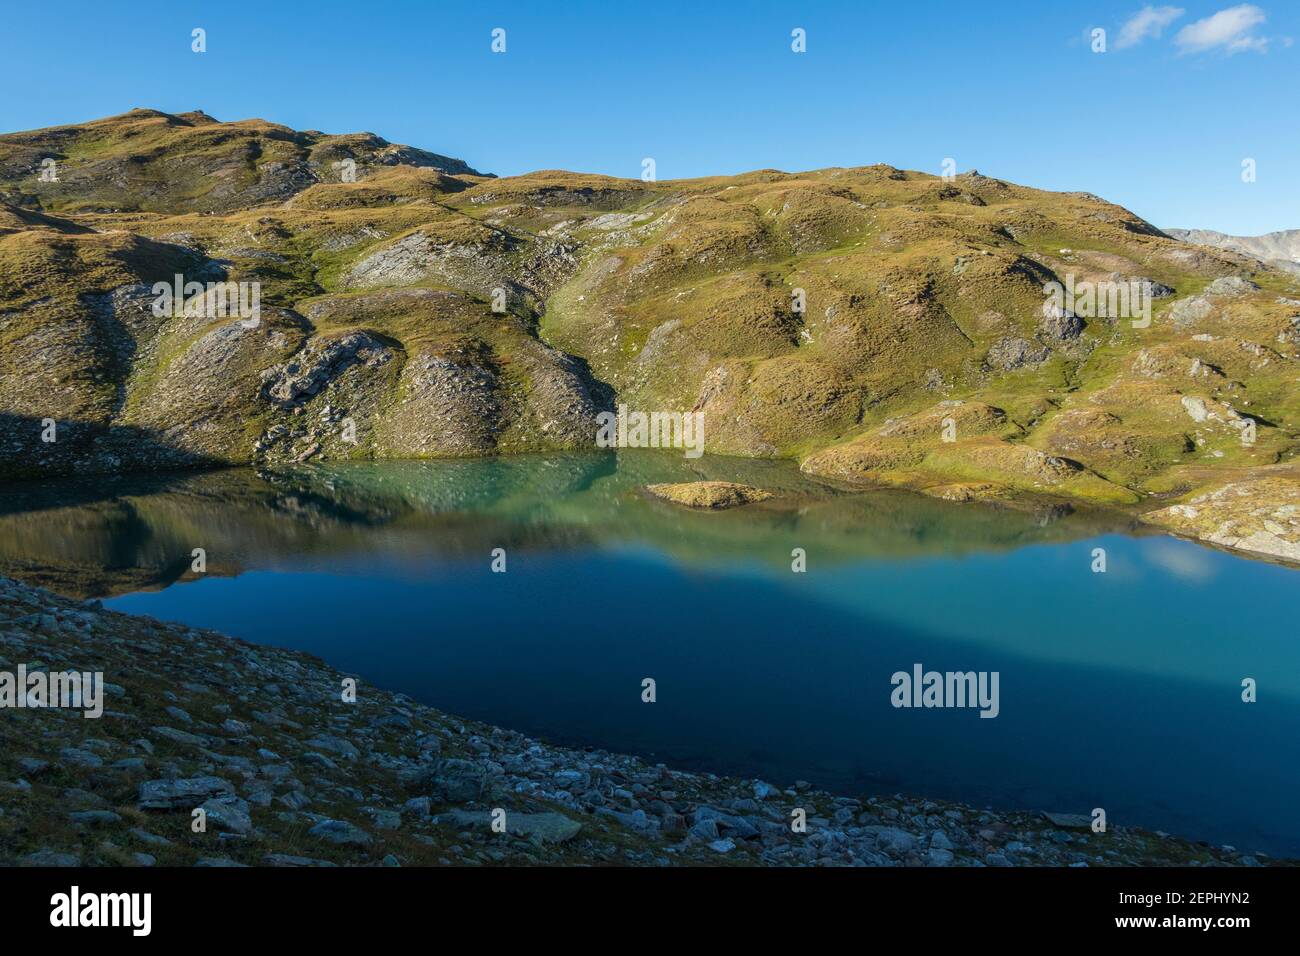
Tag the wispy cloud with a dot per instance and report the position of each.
(1230, 30)
(1182, 560)
(1146, 23)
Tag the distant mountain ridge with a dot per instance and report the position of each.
(1281, 249)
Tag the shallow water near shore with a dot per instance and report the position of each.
(1119, 690)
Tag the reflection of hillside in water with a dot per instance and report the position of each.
(110, 536)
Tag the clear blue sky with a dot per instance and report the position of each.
(1010, 88)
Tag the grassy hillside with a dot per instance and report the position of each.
(879, 325)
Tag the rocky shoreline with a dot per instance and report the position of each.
(287, 772)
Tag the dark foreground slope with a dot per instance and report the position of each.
(288, 774)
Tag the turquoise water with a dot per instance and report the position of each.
(1119, 690)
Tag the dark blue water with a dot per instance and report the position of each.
(1119, 690)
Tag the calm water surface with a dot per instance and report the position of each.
(1119, 690)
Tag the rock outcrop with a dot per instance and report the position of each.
(712, 495)
(1258, 516)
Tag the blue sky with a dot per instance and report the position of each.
(1160, 125)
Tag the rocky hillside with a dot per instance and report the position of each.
(288, 773)
(878, 325)
(147, 161)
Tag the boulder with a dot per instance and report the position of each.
(181, 794)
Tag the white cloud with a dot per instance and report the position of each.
(1191, 562)
(1146, 23)
(1258, 44)
(1229, 29)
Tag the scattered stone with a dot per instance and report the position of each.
(334, 745)
(543, 827)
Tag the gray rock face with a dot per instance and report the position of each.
(319, 363)
(1260, 516)
(1011, 353)
(764, 790)
(733, 825)
(386, 819)
(705, 829)
(80, 758)
(418, 807)
(294, 800)
(446, 407)
(182, 794)
(894, 841)
(1070, 821)
(178, 736)
(1060, 324)
(340, 832)
(457, 781)
(1191, 310)
(1231, 286)
(228, 813)
(1152, 288)
(335, 745)
(478, 265)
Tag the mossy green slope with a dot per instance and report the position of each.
(842, 317)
